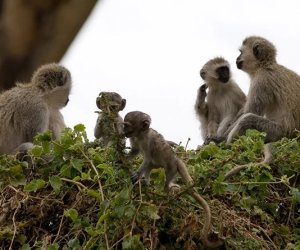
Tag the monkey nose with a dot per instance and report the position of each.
(239, 64)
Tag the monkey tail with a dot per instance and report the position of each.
(267, 160)
(207, 224)
(234, 171)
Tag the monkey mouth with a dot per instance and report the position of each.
(128, 134)
(224, 79)
(239, 64)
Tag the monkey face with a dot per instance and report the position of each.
(223, 73)
(135, 123)
(256, 52)
(215, 71)
(110, 102)
(50, 77)
(128, 129)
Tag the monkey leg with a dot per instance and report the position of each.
(273, 130)
(170, 184)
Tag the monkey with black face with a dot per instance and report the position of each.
(224, 100)
(109, 124)
(272, 103)
(158, 153)
(34, 107)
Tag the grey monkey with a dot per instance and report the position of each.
(157, 152)
(34, 107)
(272, 104)
(218, 108)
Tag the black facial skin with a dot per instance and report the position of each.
(223, 73)
(202, 74)
(239, 62)
(128, 131)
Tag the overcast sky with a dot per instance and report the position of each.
(151, 51)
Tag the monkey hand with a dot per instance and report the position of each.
(174, 188)
(216, 139)
(135, 177)
(203, 88)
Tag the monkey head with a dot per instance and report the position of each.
(216, 71)
(110, 102)
(54, 82)
(135, 123)
(255, 52)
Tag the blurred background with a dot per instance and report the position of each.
(150, 52)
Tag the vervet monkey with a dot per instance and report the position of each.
(273, 101)
(34, 107)
(158, 153)
(109, 124)
(224, 100)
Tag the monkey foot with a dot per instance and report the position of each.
(174, 188)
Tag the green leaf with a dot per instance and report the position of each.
(37, 150)
(65, 171)
(53, 247)
(79, 128)
(34, 185)
(71, 213)
(77, 164)
(94, 194)
(133, 243)
(150, 211)
(295, 192)
(25, 247)
(74, 243)
(56, 183)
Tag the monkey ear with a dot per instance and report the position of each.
(258, 51)
(145, 124)
(123, 104)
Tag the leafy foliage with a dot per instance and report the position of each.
(71, 194)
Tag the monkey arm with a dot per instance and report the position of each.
(225, 123)
(212, 128)
(144, 169)
(98, 131)
(56, 123)
(260, 96)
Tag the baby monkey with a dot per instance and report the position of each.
(157, 152)
(109, 126)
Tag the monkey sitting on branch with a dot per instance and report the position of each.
(157, 152)
(32, 108)
(218, 108)
(273, 101)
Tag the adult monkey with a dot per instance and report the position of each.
(31, 108)
(218, 108)
(157, 152)
(273, 101)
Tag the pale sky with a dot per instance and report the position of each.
(151, 52)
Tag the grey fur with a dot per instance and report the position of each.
(224, 100)
(34, 107)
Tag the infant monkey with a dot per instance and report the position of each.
(157, 152)
(109, 124)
